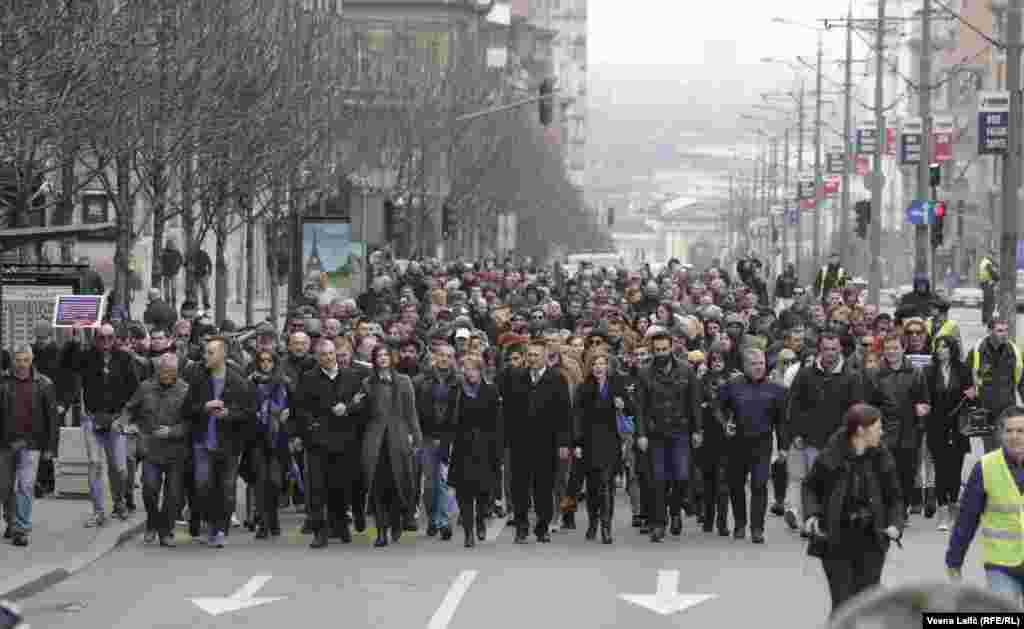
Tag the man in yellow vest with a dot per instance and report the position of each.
(988, 279)
(996, 364)
(940, 325)
(831, 276)
(992, 506)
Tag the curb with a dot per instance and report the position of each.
(38, 578)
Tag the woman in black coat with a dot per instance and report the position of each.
(476, 448)
(950, 381)
(853, 505)
(599, 400)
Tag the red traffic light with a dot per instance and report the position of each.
(940, 209)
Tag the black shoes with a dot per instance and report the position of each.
(470, 540)
(544, 537)
(307, 527)
(431, 530)
(677, 526)
(740, 533)
(409, 523)
(778, 509)
(569, 521)
(446, 533)
(396, 533)
(757, 537)
(930, 506)
(591, 529)
(319, 540)
(20, 539)
(638, 521)
(521, 535)
(262, 533)
(481, 529)
(359, 519)
(606, 533)
(657, 534)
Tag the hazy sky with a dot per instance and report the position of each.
(671, 32)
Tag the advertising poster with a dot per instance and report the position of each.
(330, 254)
(26, 305)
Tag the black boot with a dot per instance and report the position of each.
(591, 527)
(930, 506)
(569, 521)
(320, 539)
(481, 528)
(606, 532)
(382, 537)
(677, 525)
(470, 540)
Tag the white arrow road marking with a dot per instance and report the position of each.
(667, 600)
(244, 598)
(444, 614)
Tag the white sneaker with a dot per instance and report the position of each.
(235, 523)
(944, 519)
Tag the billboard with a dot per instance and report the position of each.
(330, 255)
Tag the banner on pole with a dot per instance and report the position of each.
(943, 129)
(910, 141)
(993, 122)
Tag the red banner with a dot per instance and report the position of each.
(832, 185)
(890, 141)
(807, 204)
(943, 146)
(862, 165)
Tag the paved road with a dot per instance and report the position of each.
(569, 583)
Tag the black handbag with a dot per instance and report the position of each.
(973, 420)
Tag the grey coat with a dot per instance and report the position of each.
(391, 414)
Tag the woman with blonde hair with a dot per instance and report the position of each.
(566, 482)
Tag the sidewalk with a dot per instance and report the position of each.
(60, 545)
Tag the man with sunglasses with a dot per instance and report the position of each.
(109, 379)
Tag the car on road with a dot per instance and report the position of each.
(966, 297)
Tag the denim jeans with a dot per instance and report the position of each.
(216, 475)
(111, 447)
(1006, 584)
(23, 468)
(798, 464)
(435, 485)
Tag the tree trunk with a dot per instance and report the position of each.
(221, 265)
(188, 226)
(250, 263)
(159, 223)
(272, 248)
(125, 217)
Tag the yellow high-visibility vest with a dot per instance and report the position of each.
(1002, 522)
(1018, 363)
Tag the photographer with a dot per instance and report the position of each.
(853, 505)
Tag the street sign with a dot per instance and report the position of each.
(993, 122)
(805, 187)
(867, 140)
(910, 141)
(835, 161)
(943, 129)
(921, 212)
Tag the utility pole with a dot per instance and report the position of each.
(844, 221)
(875, 282)
(799, 231)
(1011, 172)
(921, 241)
(785, 199)
(819, 190)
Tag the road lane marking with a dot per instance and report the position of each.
(243, 598)
(667, 600)
(444, 614)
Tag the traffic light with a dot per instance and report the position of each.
(934, 175)
(863, 210)
(546, 104)
(447, 221)
(939, 225)
(611, 216)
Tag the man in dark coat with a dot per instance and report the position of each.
(538, 427)
(329, 429)
(221, 408)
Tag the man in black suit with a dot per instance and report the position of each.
(537, 399)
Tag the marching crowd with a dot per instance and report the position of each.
(532, 393)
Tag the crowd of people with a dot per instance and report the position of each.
(531, 393)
